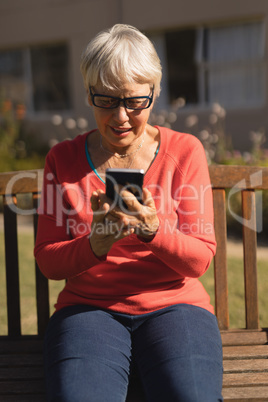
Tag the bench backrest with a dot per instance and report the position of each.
(237, 178)
(247, 180)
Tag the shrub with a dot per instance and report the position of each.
(18, 148)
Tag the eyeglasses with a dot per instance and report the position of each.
(112, 102)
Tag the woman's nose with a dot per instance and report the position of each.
(121, 114)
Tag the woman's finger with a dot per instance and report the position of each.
(147, 198)
(99, 207)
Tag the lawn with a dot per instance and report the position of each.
(236, 291)
(27, 288)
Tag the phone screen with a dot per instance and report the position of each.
(130, 179)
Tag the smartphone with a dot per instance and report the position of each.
(130, 179)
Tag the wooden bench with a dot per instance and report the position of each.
(245, 350)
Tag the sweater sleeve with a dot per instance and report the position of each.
(58, 254)
(185, 241)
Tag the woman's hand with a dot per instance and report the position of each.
(105, 230)
(141, 217)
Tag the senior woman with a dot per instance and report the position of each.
(132, 292)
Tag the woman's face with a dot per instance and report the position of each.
(121, 127)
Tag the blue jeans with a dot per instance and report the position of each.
(177, 351)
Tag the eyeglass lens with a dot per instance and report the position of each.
(131, 103)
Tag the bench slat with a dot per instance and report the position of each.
(243, 366)
(21, 373)
(23, 398)
(12, 268)
(242, 177)
(246, 394)
(22, 387)
(41, 283)
(220, 260)
(25, 181)
(22, 345)
(250, 259)
(245, 352)
(221, 177)
(244, 337)
(21, 360)
(242, 379)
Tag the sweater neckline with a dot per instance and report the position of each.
(152, 168)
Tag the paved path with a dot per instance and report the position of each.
(235, 249)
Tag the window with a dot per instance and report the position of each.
(182, 68)
(223, 64)
(12, 84)
(232, 71)
(36, 76)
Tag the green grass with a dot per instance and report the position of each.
(27, 288)
(236, 291)
(27, 285)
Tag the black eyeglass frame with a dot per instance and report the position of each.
(119, 100)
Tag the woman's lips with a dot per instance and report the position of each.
(121, 131)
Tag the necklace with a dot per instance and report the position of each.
(128, 167)
(123, 155)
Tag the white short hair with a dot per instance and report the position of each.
(120, 55)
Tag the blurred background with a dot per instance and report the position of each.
(214, 57)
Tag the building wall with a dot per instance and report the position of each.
(31, 22)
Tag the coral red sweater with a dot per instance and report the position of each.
(135, 277)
